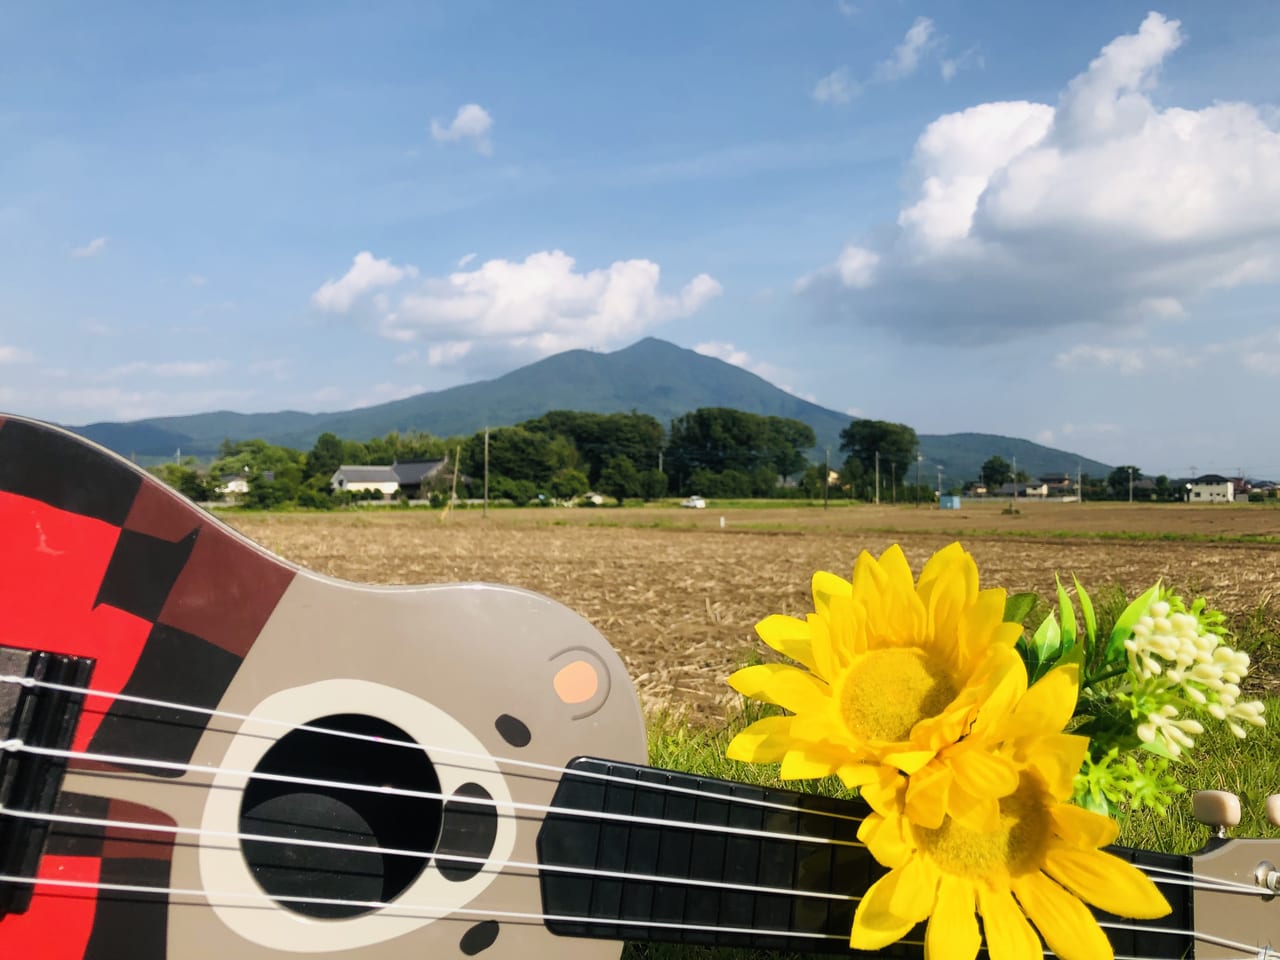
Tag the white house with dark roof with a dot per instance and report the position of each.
(355, 478)
(387, 480)
(1211, 488)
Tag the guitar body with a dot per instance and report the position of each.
(100, 560)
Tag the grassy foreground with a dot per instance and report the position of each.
(1249, 768)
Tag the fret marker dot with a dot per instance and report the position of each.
(576, 682)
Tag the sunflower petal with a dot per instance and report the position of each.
(1057, 757)
(917, 891)
(1083, 828)
(1105, 881)
(802, 762)
(1009, 935)
(1049, 702)
(790, 637)
(886, 839)
(1066, 924)
(779, 683)
(765, 741)
(927, 793)
(953, 929)
(874, 925)
(984, 774)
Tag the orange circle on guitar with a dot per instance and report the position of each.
(576, 682)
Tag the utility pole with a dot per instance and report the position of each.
(939, 485)
(894, 467)
(877, 478)
(1079, 484)
(919, 457)
(826, 479)
(1015, 478)
(485, 511)
(1131, 484)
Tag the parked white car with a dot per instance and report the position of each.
(694, 503)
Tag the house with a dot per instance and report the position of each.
(358, 479)
(412, 476)
(390, 481)
(1058, 484)
(1023, 490)
(1211, 488)
(232, 485)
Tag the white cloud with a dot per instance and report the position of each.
(836, 87)
(14, 355)
(277, 368)
(727, 352)
(464, 260)
(115, 403)
(472, 122)
(1103, 208)
(91, 249)
(197, 280)
(366, 273)
(906, 55)
(846, 8)
(1125, 360)
(182, 369)
(446, 354)
(511, 311)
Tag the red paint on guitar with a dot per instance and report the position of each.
(58, 925)
(50, 574)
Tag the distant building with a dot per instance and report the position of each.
(1023, 490)
(354, 478)
(1211, 488)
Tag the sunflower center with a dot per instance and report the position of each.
(1017, 846)
(887, 692)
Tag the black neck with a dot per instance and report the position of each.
(712, 912)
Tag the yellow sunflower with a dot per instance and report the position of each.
(891, 673)
(1039, 862)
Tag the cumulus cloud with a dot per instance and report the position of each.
(366, 273)
(471, 123)
(1026, 216)
(532, 307)
(1125, 360)
(91, 249)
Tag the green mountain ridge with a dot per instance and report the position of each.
(651, 376)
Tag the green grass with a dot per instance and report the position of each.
(1248, 768)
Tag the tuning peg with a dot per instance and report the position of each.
(1273, 809)
(1217, 809)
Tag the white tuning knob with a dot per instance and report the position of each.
(1217, 809)
(1273, 809)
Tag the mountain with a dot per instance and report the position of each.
(651, 376)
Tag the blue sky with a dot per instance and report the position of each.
(992, 217)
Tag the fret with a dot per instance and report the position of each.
(716, 912)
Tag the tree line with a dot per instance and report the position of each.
(713, 452)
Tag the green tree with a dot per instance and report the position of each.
(568, 483)
(653, 484)
(717, 439)
(620, 479)
(185, 478)
(1118, 481)
(896, 443)
(1163, 488)
(518, 454)
(595, 437)
(325, 457)
(996, 472)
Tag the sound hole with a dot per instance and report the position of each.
(333, 815)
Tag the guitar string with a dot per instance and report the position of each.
(1165, 875)
(500, 865)
(550, 768)
(17, 746)
(429, 795)
(392, 909)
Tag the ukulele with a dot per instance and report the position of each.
(207, 752)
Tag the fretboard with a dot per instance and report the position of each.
(667, 875)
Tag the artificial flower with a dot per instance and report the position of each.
(888, 673)
(1036, 866)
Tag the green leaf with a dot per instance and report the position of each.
(1125, 623)
(1018, 606)
(1086, 608)
(1068, 614)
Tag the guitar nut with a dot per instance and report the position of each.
(1267, 876)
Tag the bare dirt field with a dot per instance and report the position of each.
(677, 594)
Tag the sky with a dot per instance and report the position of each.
(1056, 223)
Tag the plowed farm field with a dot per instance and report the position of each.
(677, 592)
